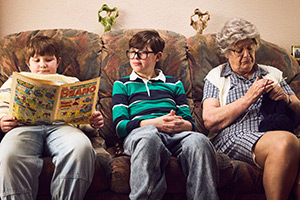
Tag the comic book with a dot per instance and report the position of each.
(35, 101)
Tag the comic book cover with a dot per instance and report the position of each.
(35, 101)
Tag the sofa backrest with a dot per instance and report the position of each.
(86, 55)
(79, 51)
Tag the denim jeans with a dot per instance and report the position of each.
(150, 151)
(21, 161)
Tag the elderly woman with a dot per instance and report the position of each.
(232, 98)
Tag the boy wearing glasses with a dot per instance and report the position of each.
(150, 111)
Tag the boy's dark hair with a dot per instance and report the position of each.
(145, 38)
(42, 45)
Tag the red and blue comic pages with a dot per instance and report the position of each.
(35, 101)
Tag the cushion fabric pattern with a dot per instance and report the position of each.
(86, 55)
(79, 52)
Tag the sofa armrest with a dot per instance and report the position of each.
(99, 145)
(88, 130)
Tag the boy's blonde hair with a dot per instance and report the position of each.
(42, 45)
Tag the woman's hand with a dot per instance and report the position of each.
(276, 93)
(7, 123)
(257, 88)
(97, 120)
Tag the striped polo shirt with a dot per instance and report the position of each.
(135, 99)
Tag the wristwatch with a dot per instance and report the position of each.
(290, 100)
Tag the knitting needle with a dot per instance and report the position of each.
(282, 80)
(266, 84)
(277, 83)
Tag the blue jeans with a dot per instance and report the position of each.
(21, 161)
(150, 151)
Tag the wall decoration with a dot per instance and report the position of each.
(199, 20)
(296, 52)
(107, 16)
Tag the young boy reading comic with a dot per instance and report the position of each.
(22, 147)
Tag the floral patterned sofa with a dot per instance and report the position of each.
(87, 55)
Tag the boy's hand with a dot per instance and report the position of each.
(175, 124)
(97, 120)
(170, 123)
(7, 123)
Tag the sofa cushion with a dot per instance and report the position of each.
(115, 64)
(121, 173)
(202, 57)
(236, 177)
(101, 180)
(79, 52)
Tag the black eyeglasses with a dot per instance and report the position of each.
(143, 55)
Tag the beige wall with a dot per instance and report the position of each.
(277, 20)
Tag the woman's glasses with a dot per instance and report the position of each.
(143, 55)
(240, 51)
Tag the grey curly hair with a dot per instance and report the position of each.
(235, 30)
